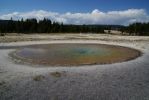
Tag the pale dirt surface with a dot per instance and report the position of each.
(58, 36)
(120, 81)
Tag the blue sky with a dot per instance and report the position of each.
(101, 8)
(62, 6)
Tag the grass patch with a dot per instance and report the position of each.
(2, 34)
(38, 78)
(56, 74)
(2, 83)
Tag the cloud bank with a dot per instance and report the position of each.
(124, 17)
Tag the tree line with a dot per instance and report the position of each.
(140, 29)
(45, 26)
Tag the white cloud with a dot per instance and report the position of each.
(124, 17)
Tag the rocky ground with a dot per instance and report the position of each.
(120, 81)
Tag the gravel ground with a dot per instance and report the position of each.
(120, 81)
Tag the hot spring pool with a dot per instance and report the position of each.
(71, 54)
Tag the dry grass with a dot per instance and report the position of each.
(36, 37)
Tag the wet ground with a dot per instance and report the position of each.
(119, 81)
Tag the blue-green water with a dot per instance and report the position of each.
(73, 54)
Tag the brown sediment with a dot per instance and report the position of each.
(64, 54)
